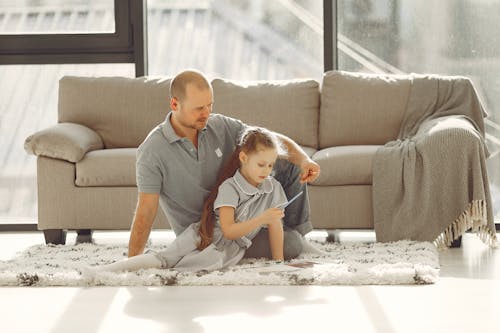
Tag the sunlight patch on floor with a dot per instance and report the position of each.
(319, 310)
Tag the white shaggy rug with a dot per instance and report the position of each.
(403, 262)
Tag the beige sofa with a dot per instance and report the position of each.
(86, 162)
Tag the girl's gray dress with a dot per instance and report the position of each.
(249, 201)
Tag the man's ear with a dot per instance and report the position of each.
(174, 103)
(243, 157)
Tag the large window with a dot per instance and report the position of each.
(238, 39)
(28, 103)
(41, 41)
(454, 37)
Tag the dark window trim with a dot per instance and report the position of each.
(139, 30)
(8, 227)
(330, 54)
(62, 58)
(117, 47)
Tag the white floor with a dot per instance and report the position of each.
(466, 299)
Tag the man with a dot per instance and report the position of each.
(178, 164)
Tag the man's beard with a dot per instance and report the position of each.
(198, 125)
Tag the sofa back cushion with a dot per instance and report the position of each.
(361, 109)
(288, 107)
(121, 110)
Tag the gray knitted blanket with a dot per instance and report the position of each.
(431, 183)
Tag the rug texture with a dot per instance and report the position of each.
(402, 262)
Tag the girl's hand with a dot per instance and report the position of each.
(272, 215)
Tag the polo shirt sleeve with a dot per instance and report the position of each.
(235, 127)
(227, 196)
(148, 174)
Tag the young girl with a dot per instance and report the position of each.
(243, 201)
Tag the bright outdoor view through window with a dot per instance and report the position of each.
(246, 40)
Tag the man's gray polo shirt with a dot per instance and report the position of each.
(183, 175)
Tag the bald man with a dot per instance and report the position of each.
(179, 161)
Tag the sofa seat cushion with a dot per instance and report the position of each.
(345, 165)
(116, 167)
(107, 167)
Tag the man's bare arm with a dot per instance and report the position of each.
(297, 156)
(147, 207)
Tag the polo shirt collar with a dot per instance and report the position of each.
(169, 132)
(265, 187)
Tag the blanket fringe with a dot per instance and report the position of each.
(474, 217)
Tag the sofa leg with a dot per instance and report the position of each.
(457, 243)
(332, 236)
(55, 236)
(84, 236)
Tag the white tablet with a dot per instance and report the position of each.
(285, 204)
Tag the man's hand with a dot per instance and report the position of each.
(310, 171)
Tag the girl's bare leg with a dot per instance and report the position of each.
(276, 239)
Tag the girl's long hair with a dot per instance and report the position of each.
(249, 142)
(208, 216)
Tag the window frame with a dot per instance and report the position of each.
(128, 44)
(330, 50)
(125, 45)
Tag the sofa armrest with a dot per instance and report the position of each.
(446, 129)
(66, 141)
